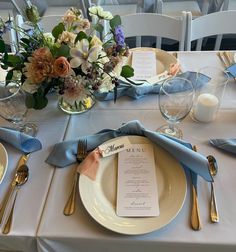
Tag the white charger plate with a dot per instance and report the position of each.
(163, 61)
(99, 196)
(3, 162)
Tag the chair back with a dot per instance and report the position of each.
(222, 22)
(49, 22)
(157, 25)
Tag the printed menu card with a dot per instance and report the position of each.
(144, 64)
(137, 193)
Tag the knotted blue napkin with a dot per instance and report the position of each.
(225, 144)
(19, 140)
(140, 90)
(64, 153)
(232, 70)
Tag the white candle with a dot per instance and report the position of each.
(206, 107)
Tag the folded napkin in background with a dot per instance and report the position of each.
(225, 144)
(64, 153)
(19, 140)
(140, 90)
(232, 70)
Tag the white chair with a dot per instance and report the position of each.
(157, 25)
(174, 8)
(121, 9)
(222, 22)
(7, 11)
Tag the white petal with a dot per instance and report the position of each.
(93, 53)
(85, 66)
(74, 52)
(76, 62)
(85, 45)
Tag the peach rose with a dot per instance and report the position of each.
(61, 67)
(40, 66)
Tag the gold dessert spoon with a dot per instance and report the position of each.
(213, 167)
(21, 177)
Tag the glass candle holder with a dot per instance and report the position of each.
(209, 90)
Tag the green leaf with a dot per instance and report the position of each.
(9, 75)
(81, 35)
(13, 60)
(2, 46)
(127, 71)
(29, 101)
(57, 30)
(4, 67)
(98, 27)
(36, 100)
(115, 21)
(25, 41)
(63, 50)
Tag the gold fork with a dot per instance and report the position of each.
(81, 154)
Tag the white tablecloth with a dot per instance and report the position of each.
(31, 197)
(80, 232)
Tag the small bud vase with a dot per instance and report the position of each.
(78, 107)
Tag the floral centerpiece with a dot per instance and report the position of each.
(72, 59)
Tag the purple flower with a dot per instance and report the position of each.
(119, 36)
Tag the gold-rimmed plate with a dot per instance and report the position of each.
(163, 61)
(3, 162)
(99, 196)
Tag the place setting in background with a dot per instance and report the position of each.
(26, 144)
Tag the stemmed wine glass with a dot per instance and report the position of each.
(175, 102)
(13, 108)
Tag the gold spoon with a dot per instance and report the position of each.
(213, 167)
(20, 178)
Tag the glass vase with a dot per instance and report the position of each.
(78, 107)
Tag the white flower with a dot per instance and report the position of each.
(49, 38)
(29, 87)
(83, 55)
(99, 12)
(107, 84)
(67, 37)
(75, 89)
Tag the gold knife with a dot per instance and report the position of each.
(23, 159)
(195, 214)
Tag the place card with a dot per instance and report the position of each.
(144, 64)
(114, 146)
(137, 193)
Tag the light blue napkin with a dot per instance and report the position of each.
(19, 140)
(139, 91)
(64, 153)
(225, 144)
(232, 70)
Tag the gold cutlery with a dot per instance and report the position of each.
(228, 59)
(81, 154)
(195, 215)
(21, 177)
(214, 215)
(222, 59)
(225, 59)
(22, 161)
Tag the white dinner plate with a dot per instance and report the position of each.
(99, 196)
(163, 61)
(3, 162)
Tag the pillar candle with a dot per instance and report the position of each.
(206, 107)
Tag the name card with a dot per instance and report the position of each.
(144, 64)
(137, 193)
(114, 146)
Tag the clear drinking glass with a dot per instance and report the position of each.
(175, 102)
(13, 108)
